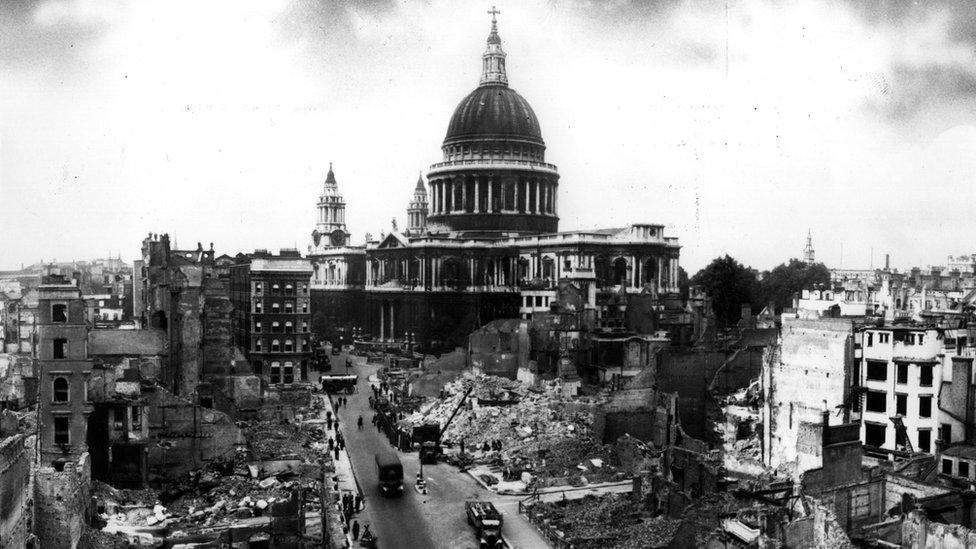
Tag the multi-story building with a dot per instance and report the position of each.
(272, 318)
(64, 367)
(484, 243)
(900, 373)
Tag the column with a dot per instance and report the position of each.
(535, 196)
(515, 205)
(633, 272)
(392, 323)
(464, 195)
(382, 320)
(477, 194)
(491, 185)
(660, 271)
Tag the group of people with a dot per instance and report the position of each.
(350, 505)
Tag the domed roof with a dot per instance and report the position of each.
(493, 111)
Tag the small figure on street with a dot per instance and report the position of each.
(355, 530)
(360, 423)
(331, 443)
(359, 503)
(462, 445)
(336, 450)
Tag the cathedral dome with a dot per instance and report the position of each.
(493, 111)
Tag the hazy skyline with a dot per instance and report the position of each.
(738, 125)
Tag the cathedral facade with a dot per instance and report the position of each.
(482, 239)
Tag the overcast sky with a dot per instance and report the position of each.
(739, 126)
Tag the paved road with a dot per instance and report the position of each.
(419, 521)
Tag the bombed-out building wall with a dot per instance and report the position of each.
(810, 375)
(16, 458)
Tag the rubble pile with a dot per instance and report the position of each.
(281, 459)
(606, 521)
(526, 422)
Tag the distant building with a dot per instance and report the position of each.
(272, 302)
(481, 243)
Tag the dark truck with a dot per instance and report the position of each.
(487, 522)
(390, 473)
(339, 383)
(427, 436)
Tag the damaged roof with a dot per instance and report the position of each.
(127, 342)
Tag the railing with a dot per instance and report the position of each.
(493, 162)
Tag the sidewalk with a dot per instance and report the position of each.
(344, 480)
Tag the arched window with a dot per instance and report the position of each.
(275, 346)
(289, 373)
(61, 392)
(649, 270)
(289, 307)
(275, 373)
(620, 271)
(289, 327)
(289, 346)
(275, 307)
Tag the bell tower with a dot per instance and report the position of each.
(330, 227)
(418, 209)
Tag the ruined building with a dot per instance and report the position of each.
(63, 479)
(481, 242)
(180, 292)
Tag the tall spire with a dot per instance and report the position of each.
(493, 60)
(808, 253)
(330, 180)
(420, 182)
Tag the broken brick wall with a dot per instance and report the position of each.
(645, 414)
(186, 435)
(62, 503)
(918, 531)
(806, 374)
(16, 456)
(689, 373)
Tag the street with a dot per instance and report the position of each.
(418, 521)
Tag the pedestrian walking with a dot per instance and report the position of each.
(355, 530)
(359, 503)
(331, 443)
(462, 445)
(336, 450)
(360, 423)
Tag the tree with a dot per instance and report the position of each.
(731, 285)
(683, 283)
(786, 279)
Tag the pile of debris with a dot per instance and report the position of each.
(281, 460)
(532, 425)
(605, 521)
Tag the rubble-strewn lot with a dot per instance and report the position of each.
(547, 434)
(282, 459)
(610, 521)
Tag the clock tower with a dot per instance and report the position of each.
(330, 229)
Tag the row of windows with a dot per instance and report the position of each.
(277, 308)
(875, 434)
(281, 372)
(277, 327)
(962, 468)
(877, 401)
(278, 289)
(276, 346)
(908, 338)
(877, 370)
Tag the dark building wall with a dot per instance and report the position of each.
(439, 320)
(689, 373)
(337, 312)
(15, 464)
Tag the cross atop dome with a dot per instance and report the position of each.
(493, 60)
